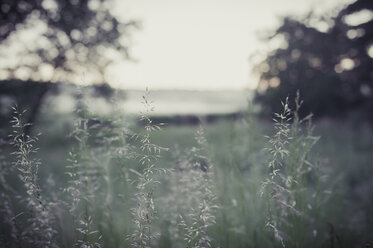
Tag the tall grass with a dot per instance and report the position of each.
(143, 214)
(83, 184)
(289, 184)
(122, 188)
(193, 195)
(38, 229)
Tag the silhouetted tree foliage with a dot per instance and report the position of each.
(331, 67)
(72, 36)
(73, 33)
(29, 95)
(26, 95)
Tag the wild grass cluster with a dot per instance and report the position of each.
(243, 183)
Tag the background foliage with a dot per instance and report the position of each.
(329, 59)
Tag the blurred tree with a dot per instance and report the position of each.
(57, 40)
(329, 60)
(72, 34)
(27, 96)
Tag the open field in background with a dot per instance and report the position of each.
(335, 199)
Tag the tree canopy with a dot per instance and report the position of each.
(62, 36)
(328, 59)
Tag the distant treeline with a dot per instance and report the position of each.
(30, 96)
(193, 120)
(328, 58)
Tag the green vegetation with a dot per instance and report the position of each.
(328, 58)
(242, 183)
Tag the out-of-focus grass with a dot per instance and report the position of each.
(236, 148)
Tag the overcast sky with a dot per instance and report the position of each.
(200, 44)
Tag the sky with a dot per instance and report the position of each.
(200, 44)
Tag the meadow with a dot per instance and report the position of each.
(118, 180)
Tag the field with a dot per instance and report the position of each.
(113, 181)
